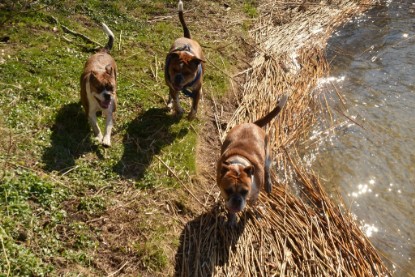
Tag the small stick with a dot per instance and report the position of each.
(119, 41)
(178, 179)
(4, 251)
(157, 69)
(118, 270)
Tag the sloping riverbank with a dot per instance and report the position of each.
(144, 207)
(297, 231)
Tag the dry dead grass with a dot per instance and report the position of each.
(287, 234)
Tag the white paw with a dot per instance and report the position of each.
(98, 138)
(106, 142)
(170, 105)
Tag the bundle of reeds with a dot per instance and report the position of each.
(289, 233)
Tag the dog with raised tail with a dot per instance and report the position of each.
(184, 69)
(98, 89)
(244, 166)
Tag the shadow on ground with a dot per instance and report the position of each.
(145, 137)
(70, 139)
(206, 242)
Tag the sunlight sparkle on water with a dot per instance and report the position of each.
(369, 229)
(363, 189)
(328, 80)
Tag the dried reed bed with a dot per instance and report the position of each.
(287, 234)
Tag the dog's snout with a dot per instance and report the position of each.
(178, 79)
(236, 201)
(107, 95)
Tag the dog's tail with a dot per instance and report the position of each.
(185, 29)
(266, 119)
(110, 34)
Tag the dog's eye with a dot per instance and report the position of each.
(244, 192)
(229, 191)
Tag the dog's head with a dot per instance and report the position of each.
(236, 185)
(103, 86)
(182, 68)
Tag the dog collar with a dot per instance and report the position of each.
(238, 160)
(185, 90)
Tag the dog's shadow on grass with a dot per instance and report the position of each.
(70, 139)
(206, 242)
(145, 137)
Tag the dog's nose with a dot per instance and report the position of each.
(107, 96)
(236, 201)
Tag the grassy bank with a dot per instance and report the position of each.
(67, 205)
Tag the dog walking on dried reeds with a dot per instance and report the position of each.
(244, 166)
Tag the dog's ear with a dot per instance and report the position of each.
(249, 170)
(195, 62)
(225, 168)
(108, 69)
(93, 76)
(172, 55)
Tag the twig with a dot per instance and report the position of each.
(351, 119)
(66, 29)
(217, 121)
(223, 72)
(159, 18)
(4, 251)
(157, 69)
(70, 169)
(119, 41)
(118, 270)
(178, 179)
(18, 86)
(80, 35)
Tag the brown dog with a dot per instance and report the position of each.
(98, 89)
(244, 165)
(184, 69)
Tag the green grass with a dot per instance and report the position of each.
(250, 9)
(54, 180)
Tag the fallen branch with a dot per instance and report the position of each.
(72, 32)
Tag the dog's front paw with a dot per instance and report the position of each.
(170, 104)
(106, 142)
(98, 138)
(191, 115)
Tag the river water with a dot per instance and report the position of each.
(364, 149)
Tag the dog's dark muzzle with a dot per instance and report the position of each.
(107, 95)
(178, 80)
(235, 204)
